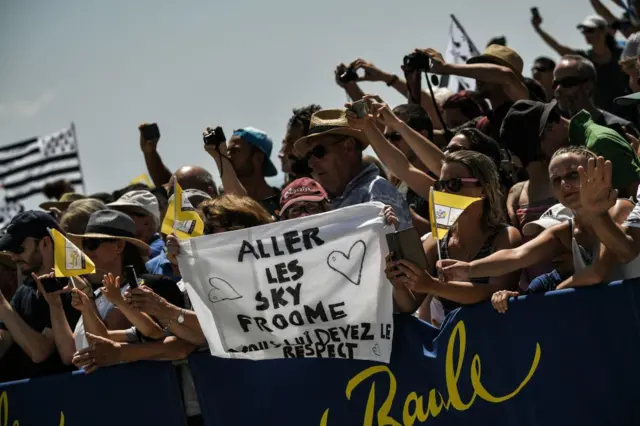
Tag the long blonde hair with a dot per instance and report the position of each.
(483, 169)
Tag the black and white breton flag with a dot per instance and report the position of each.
(459, 49)
(25, 167)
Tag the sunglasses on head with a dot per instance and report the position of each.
(90, 244)
(568, 82)
(393, 136)
(455, 185)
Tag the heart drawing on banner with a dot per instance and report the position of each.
(349, 265)
(221, 290)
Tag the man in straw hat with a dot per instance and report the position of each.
(27, 347)
(498, 74)
(333, 151)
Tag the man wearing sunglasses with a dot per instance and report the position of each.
(333, 151)
(542, 72)
(27, 345)
(574, 84)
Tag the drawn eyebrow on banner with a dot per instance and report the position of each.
(222, 290)
(344, 263)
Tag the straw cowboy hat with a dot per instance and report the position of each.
(111, 225)
(328, 122)
(500, 55)
(64, 201)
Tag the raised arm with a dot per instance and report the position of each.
(351, 88)
(465, 292)
(551, 42)
(60, 327)
(601, 208)
(544, 247)
(160, 174)
(491, 73)
(390, 155)
(230, 181)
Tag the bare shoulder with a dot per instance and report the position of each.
(507, 237)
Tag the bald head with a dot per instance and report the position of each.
(194, 177)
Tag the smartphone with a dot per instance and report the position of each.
(131, 276)
(535, 12)
(53, 284)
(406, 245)
(360, 108)
(150, 132)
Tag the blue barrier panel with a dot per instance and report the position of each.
(564, 358)
(144, 393)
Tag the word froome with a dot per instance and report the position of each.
(414, 406)
(309, 315)
(4, 412)
(292, 241)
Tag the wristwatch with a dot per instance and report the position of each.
(181, 317)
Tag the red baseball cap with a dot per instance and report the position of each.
(303, 189)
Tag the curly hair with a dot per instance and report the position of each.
(303, 115)
(231, 212)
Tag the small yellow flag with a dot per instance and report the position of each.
(181, 218)
(69, 260)
(444, 211)
(143, 178)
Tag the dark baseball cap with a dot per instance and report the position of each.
(523, 127)
(28, 224)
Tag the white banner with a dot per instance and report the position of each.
(459, 50)
(304, 288)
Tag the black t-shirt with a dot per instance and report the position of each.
(34, 311)
(616, 123)
(612, 83)
(490, 124)
(272, 204)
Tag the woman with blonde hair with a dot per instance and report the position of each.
(480, 230)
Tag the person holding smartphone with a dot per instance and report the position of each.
(29, 336)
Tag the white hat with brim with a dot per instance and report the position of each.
(593, 21)
(111, 225)
(141, 202)
(555, 215)
(328, 122)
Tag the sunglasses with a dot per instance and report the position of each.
(319, 151)
(21, 249)
(586, 30)
(455, 185)
(91, 244)
(568, 82)
(393, 136)
(309, 208)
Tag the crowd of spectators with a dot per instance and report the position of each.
(553, 157)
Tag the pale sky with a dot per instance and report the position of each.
(110, 65)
